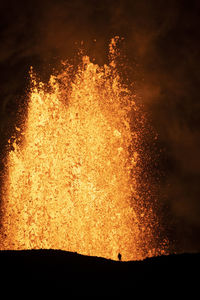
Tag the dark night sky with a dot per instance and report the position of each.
(162, 47)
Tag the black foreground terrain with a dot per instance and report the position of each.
(58, 266)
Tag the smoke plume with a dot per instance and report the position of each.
(161, 43)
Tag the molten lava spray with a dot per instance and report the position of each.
(71, 178)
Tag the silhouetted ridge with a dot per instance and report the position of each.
(57, 265)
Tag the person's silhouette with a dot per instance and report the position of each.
(119, 256)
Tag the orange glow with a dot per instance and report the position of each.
(70, 181)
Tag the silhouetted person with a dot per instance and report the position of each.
(119, 256)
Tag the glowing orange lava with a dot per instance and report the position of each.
(70, 181)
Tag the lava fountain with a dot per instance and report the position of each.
(71, 179)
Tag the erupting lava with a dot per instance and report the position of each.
(70, 180)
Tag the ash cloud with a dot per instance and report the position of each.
(162, 48)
